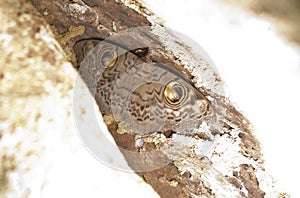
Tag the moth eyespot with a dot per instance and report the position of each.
(174, 93)
(108, 58)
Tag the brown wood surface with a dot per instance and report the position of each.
(105, 17)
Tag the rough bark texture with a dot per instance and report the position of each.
(235, 166)
(41, 154)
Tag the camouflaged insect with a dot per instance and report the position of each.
(144, 97)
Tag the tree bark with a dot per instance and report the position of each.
(234, 167)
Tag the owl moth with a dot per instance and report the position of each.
(144, 97)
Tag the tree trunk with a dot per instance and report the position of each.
(233, 166)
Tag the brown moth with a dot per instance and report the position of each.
(144, 97)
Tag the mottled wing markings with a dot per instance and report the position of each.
(133, 90)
